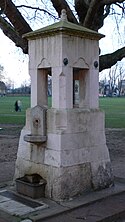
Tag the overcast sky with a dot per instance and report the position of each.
(15, 63)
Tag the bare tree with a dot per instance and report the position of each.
(1, 73)
(121, 80)
(116, 73)
(88, 13)
(1, 68)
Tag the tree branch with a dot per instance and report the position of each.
(37, 9)
(11, 33)
(109, 2)
(107, 11)
(62, 4)
(15, 17)
(108, 60)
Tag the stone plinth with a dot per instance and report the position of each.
(75, 158)
(76, 146)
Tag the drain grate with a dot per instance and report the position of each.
(20, 199)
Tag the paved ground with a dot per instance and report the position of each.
(101, 206)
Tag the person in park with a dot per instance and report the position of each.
(18, 105)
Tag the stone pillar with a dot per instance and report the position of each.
(62, 85)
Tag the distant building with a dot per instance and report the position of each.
(2, 89)
(121, 86)
(106, 89)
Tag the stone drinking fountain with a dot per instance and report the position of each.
(64, 144)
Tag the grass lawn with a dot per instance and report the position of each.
(8, 115)
(114, 111)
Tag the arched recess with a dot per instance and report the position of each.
(80, 63)
(80, 82)
(44, 63)
(44, 86)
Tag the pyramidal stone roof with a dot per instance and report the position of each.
(66, 27)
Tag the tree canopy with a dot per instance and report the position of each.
(88, 13)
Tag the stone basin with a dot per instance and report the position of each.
(31, 189)
(35, 138)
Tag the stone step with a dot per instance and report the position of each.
(109, 209)
(101, 206)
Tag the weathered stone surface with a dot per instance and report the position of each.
(74, 120)
(102, 176)
(75, 157)
(66, 184)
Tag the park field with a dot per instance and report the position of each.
(114, 109)
(8, 115)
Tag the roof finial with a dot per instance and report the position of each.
(63, 15)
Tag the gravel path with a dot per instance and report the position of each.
(9, 138)
(116, 143)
